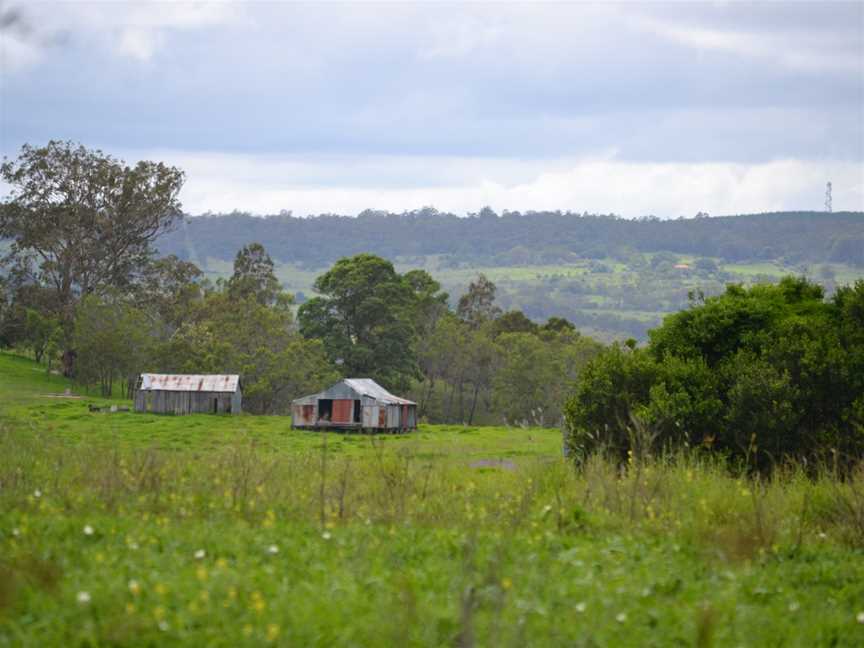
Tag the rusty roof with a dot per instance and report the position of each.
(190, 382)
(359, 386)
(368, 387)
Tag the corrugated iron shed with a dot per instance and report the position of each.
(354, 404)
(222, 383)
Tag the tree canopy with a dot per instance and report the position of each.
(762, 375)
(365, 318)
(515, 238)
(254, 276)
(82, 222)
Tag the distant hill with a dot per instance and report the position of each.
(516, 239)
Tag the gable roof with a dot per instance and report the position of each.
(189, 382)
(368, 387)
(355, 387)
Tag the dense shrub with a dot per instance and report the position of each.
(763, 375)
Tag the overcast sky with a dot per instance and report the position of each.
(635, 108)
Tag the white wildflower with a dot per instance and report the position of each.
(273, 550)
(794, 606)
(37, 493)
(16, 532)
(200, 554)
(860, 617)
(134, 586)
(83, 598)
(88, 530)
(326, 535)
(580, 607)
(163, 626)
(621, 617)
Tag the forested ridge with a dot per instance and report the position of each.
(515, 238)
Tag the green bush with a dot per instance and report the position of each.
(762, 375)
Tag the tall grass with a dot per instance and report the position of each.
(244, 545)
(682, 495)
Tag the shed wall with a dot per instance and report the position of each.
(343, 408)
(182, 402)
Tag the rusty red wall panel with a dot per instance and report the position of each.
(342, 410)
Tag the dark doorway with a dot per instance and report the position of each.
(358, 412)
(325, 409)
(215, 405)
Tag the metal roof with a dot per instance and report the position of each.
(368, 387)
(359, 386)
(190, 382)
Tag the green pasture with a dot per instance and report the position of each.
(124, 529)
(625, 294)
(298, 278)
(31, 398)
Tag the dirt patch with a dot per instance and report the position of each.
(503, 464)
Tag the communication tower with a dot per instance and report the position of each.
(828, 198)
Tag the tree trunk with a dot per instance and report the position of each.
(68, 361)
(461, 400)
(449, 407)
(424, 398)
(473, 404)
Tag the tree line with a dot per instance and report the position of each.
(531, 238)
(84, 289)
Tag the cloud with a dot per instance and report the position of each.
(139, 30)
(350, 184)
(135, 30)
(19, 45)
(798, 49)
(318, 107)
(16, 53)
(139, 43)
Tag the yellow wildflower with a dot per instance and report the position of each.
(272, 632)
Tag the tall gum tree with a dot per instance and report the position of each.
(364, 315)
(81, 221)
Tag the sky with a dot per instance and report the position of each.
(636, 109)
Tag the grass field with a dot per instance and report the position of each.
(139, 530)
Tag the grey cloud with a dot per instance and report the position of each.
(548, 81)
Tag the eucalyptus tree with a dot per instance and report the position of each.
(254, 276)
(478, 306)
(82, 222)
(365, 315)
